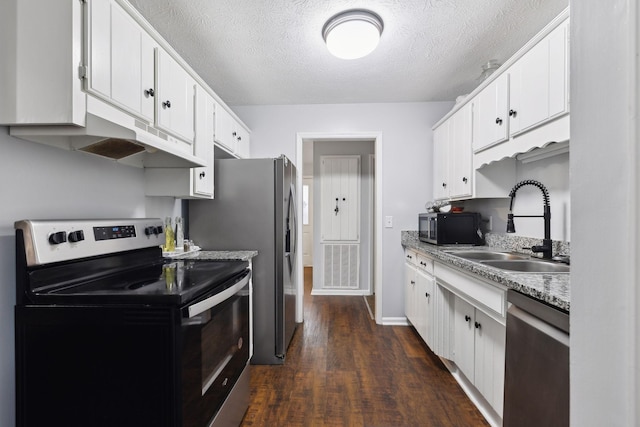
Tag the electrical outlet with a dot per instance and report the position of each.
(388, 222)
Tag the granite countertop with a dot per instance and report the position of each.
(551, 288)
(217, 255)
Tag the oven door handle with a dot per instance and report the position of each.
(204, 305)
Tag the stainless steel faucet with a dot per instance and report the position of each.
(545, 248)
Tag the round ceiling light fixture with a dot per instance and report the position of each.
(352, 34)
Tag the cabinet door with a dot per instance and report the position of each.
(203, 177)
(463, 337)
(491, 118)
(223, 129)
(99, 78)
(489, 359)
(529, 95)
(441, 161)
(559, 70)
(460, 153)
(121, 59)
(424, 306)
(443, 307)
(243, 142)
(174, 98)
(538, 83)
(409, 292)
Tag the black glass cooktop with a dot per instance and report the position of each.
(162, 282)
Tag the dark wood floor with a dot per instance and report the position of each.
(344, 370)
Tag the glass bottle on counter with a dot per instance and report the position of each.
(179, 233)
(169, 236)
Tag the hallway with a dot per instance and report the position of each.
(344, 370)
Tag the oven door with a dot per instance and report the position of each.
(215, 351)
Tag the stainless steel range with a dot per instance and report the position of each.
(110, 333)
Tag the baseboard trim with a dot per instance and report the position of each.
(395, 321)
(342, 292)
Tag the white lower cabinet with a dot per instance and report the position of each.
(419, 294)
(478, 350)
(462, 319)
(410, 272)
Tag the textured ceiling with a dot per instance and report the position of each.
(258, 52)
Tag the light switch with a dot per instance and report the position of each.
(388, 222)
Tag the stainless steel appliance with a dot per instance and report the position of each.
(254, 208)
(450, 228)
(110, 333)
(536, 389)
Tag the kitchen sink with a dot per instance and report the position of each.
(488, 255)
(528, 266)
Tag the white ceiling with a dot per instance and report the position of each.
(261, 52)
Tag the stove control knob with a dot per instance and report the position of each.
(57, 238)
(76, 236)
(158, 230)
(148, 231)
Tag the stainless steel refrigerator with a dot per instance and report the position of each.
(254, 209)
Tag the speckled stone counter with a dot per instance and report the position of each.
(552, 288)
(218, 255)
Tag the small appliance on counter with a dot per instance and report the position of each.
(440, 228)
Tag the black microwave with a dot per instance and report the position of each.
(439, 228)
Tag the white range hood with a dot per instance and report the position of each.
(114, 134)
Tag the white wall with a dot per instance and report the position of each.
(363, 149)
(40, 182)
(406, 162)
(605, 195)
(553, 172)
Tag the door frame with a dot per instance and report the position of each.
(376, 137)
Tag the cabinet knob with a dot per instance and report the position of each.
(239, 138)
(513, 113)
(427, 294)
(499, 121)
(478, 325)
(467, 318)
(464, 179)
(413, 282)
(234, 134)
(444, 185)
(166, 104)
(202, 175)
(149, 92)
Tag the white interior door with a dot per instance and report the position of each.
(307, 221)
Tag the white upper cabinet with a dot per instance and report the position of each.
(110, 85)
(524, 105)
(224, 129)
(175, 97)
(539, 82)
(452, 160)
(195, 182)
(441, 161)
(491, 108)
(232, 136)
(121, 59)
(460, 139)
(202, 179)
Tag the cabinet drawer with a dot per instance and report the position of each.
(484, 294)
(410, 257)
(425, 264)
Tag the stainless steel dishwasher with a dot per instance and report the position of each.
(536, 389)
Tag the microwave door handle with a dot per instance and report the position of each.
(204, 305)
